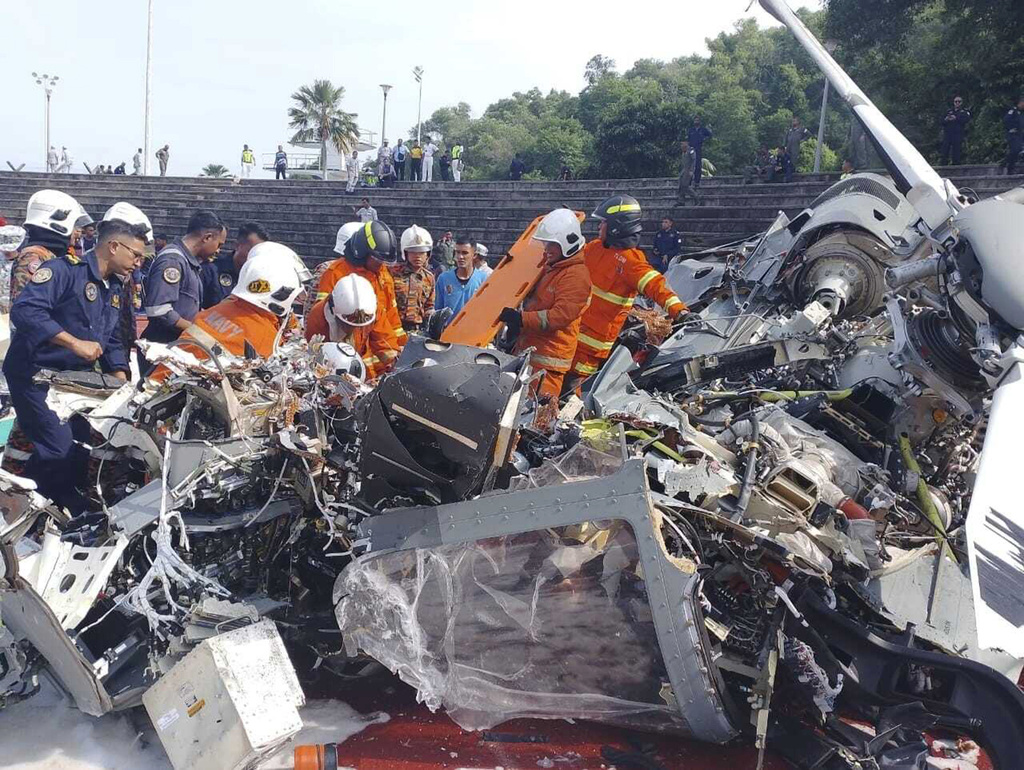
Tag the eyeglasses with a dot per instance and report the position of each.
(139, 255)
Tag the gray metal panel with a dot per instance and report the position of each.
(622, 496)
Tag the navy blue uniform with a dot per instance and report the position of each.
(173, 291)
(218, 278)
(65, 295)
(1013, 122)
(667, 244)
(954, 125)
(697, 135)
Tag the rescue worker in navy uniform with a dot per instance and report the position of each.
(954, 124)
(1013, 122)
(67, 318)
(173, 287)
(220, 274)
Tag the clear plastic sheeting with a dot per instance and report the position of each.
(554, 623)
(580, 462)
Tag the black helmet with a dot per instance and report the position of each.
(623, 215)
(374, 239)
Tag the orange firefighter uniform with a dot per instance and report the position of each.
(356, 336)
(618, 275)
(551, 319)
(387, 337)
(414, 291)
(230, 323)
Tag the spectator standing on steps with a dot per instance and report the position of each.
(697, 135)
(668, 243)
(428, 160)
(65, 161)
(457, 150)
(352, 170)
(163, 155)
(516, 168)
(1013, 122)
(366, 212)
(248, 161)
(137, 162)
(52, 161)
(445, 164)
(686, 171)
(954, 125)
(796, 136)
(399, 156)
(280, 163)
(416, 163)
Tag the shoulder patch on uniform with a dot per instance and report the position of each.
(259, 286)
(172, 274)
(225, 279)
(74, 259)
(115, 301)
(42, 275)
(91, 292)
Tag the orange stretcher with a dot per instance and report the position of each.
(512, 280)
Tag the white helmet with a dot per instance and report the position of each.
(353, 301)
(562, 227)
(341, 358)
(126, 212)
(345, 232)
(269, 278)
(482, 251)
(53, 210)
(416, 238)
(11, 237)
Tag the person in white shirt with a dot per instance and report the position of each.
(65, 161)
(366, 212)
(51, 159)
(352, 169)
(137, 162)
(480, 263)
(428, 160)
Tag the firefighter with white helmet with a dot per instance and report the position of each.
(370, 252)
(256, 312)
(50, 220)
(348, 316)
(414, 281)
(549, 321)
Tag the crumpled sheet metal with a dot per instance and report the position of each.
(558, 602)
(613, 393)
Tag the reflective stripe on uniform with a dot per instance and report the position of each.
(11, 453)
(387, 355)
(587, 369)
(623, 207)
(543, 316)
(673, 302)
(590, 342)
(548, 361)
(649, 276)
(613, 298)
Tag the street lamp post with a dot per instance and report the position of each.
(149, 92)
(384, 118)
(830, 46)
(47, 82)
(417, 72)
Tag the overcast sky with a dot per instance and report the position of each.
(223, 70)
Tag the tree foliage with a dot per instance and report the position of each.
(317, 116)
(215, 171)
(909, 56)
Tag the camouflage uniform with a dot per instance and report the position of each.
(25, 265)
(414, 290)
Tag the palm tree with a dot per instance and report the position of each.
(317, 117)
(216, 171)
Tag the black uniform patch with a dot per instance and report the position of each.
(91, 292)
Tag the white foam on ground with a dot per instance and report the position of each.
(46, 733)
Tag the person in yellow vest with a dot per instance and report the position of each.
(248, 161)
(457, 162)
